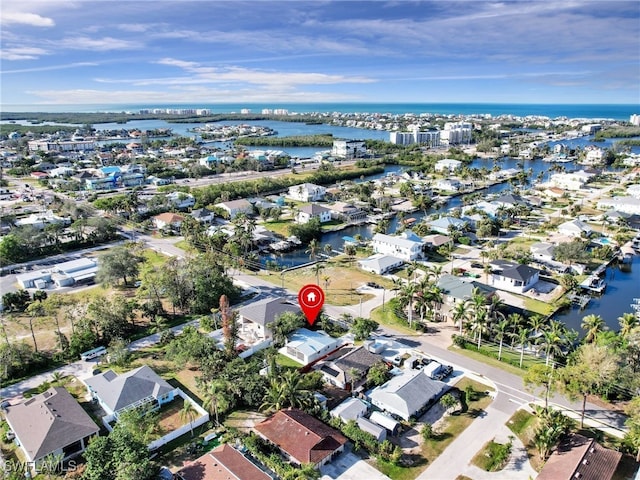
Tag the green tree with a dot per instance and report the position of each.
(188, 413)
(362, 328)
(628, 323)
(121, 263)
(448, 401)
(592, 324)
(539, 375)
(378, 374)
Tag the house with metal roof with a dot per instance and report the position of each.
(51, 423)
(307, 346)
(380, 263)
(307, 213)
(133, 389)
(351, 409)
(406, 246)
(408, 395)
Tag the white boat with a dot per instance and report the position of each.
(594, 283)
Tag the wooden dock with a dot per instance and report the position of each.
(580, 300)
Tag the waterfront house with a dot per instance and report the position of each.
(347, 212)
(307, 192)
(447, 185)
(406, 246)
(307, 346)
(222, 463)
(50, 423)
(575, 228)
(436, 240)
(630, 205)
(307, 213)
(580, 458)
(408, 395)
(236, 207)
(302, 438)
(444, 225)
(135, 388)
(542, 252)
(380, 263)
(448, 165)
(348, 149)
(256, 317)
(513, 277)
(570, 180)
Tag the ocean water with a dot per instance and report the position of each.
(594, 111)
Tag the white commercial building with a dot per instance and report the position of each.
(456, 132)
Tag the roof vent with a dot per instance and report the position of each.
(577, 475)
(585, 462)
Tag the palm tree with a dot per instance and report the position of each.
(480, 325)
(317, 268)
(461, 314)
(327, 249)
(188, 413)
(314, 245)
(523, 339)
(592, 324)
(216, 398)
(406, 293)
(628, 322)
(551, 343)
(501, 330)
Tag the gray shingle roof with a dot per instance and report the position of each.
(266, 311)
(515, 271)
(120, 391)
(49, 421)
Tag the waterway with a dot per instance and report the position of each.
(623, 284)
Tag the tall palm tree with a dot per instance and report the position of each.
(188, 413)
(406, 294)
(501, 330)
(317, 268)
(592, 324)
(461, 313)
(551, 343)
(480, 325)
(522, 339)
(314, 246)
(628, 322)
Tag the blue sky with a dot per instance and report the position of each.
(203, 52)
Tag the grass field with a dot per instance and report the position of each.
(389, 317)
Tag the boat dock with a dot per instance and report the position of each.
(594, 284)
(581, 300)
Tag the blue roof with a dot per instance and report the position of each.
(346, 238)
(110, 170)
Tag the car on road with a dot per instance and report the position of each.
(373, 285)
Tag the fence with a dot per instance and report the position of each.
(256, 348)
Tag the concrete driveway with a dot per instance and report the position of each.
(349, 466)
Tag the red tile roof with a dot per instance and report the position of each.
(578, 457)
(222, 463)
(301, 436)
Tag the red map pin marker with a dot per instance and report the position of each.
(311, 299)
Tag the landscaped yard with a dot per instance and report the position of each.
(390, 318)
(523, 423)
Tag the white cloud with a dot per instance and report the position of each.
(51, 67)
(24, 18)
(100, 44)
(21, 53)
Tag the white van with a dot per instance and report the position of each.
(95, 353)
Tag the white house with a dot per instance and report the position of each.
(256, 317)
(348, 148)
(307, 346)
(181, 200)
(629, 205)
(380, 263)
(407, 395)
(406, 246)
(447, 185)
(571, 180)
(236, 207)
(307, 192)
(444, 224)
(574, 228)
(447, 165)
(542, 251)
(311, 211)
(594, 156)
(168, 220)
(513, 277)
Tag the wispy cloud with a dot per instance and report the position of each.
(51, 67)
(99, 44)
(21, 53)
(25, 18)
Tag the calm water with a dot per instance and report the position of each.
(595, 111)
(623, 284)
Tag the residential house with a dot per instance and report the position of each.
(222, 463)
(542, 251)
(236, 207)
(51, 423)
(347, 212)
(571, 180)
(350, 409)
(379, 432)
(630, 205)
(508, 200)
(575, 228)
(119, 393)
(348, 148)
(307, 192)
(350, 368)
(513, 277)
(447, 165)
(380, 263)
(203, 215)
(459, 289)
(408, 395)
(580, 458)
(257, 316)
(168, 220)
(446, 224)
(41, 220)
(307, 346)
(181, 200)
(301, 437)
(436, 240)
(308, 212)
(447, 185)
(594, 155)
(407, 246)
